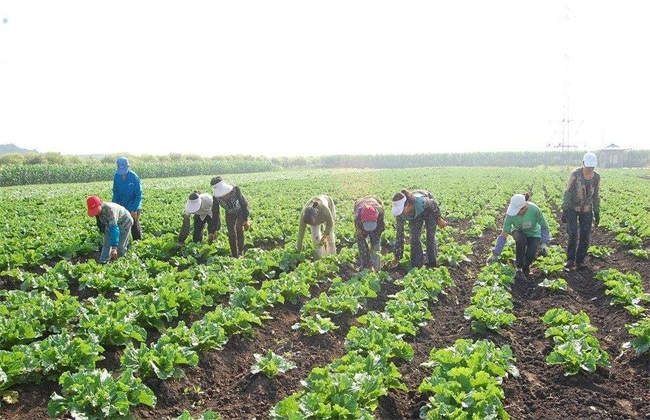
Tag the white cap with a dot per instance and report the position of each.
(192, 206)
(221, 188)
(398, 206)
(517, 202)
(590, 160)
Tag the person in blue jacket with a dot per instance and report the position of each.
(127, 192)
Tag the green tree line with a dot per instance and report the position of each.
(52, 168)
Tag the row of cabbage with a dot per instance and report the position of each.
(66, 337)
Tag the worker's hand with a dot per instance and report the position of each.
(564, 216)
(246, 225)
(135, 215)
(212, 237)
(596, 219)
(442, 223)
(323, 240)
(543, 250)
(491, 259)
(113, 253)
(394, 263)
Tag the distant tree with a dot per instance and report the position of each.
(54, 158)
(193, 157)
(35, 159)
(108, 159)
(12, 159)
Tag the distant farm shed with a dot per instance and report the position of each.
(614, 156)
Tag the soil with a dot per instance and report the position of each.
(222, 380)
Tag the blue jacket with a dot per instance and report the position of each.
(128, 193)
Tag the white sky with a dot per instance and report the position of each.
(303, 77)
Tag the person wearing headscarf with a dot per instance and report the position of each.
(419, 208)
(581, 208)
(318, 212)
(236, 211)
(127, 192)
(114, 221)
(527, 225)
(369, 225)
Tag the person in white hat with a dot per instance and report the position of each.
(527, 225)
(369, 224)
(581, 208)
(319, 211)
(419, 208)
(201, 208)
(236, 211)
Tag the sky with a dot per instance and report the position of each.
(309, 78)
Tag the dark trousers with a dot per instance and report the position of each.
(578, 227)
(369, 256)
(197, 234)
(136, 232)
(525, 249)
(415, 227)
(235, 234)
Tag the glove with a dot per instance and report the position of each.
(323, 240)
(491, 259)
(596, 218)
(543, 251)
(564, 216)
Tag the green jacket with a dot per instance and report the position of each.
(530, 223)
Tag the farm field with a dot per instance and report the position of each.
(180, 327)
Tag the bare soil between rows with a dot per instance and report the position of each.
(222, 380)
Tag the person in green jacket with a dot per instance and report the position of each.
(114, 222)
(319, 211)
(581, 208)
(526, 223)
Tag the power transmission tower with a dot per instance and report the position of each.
(565, 122)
